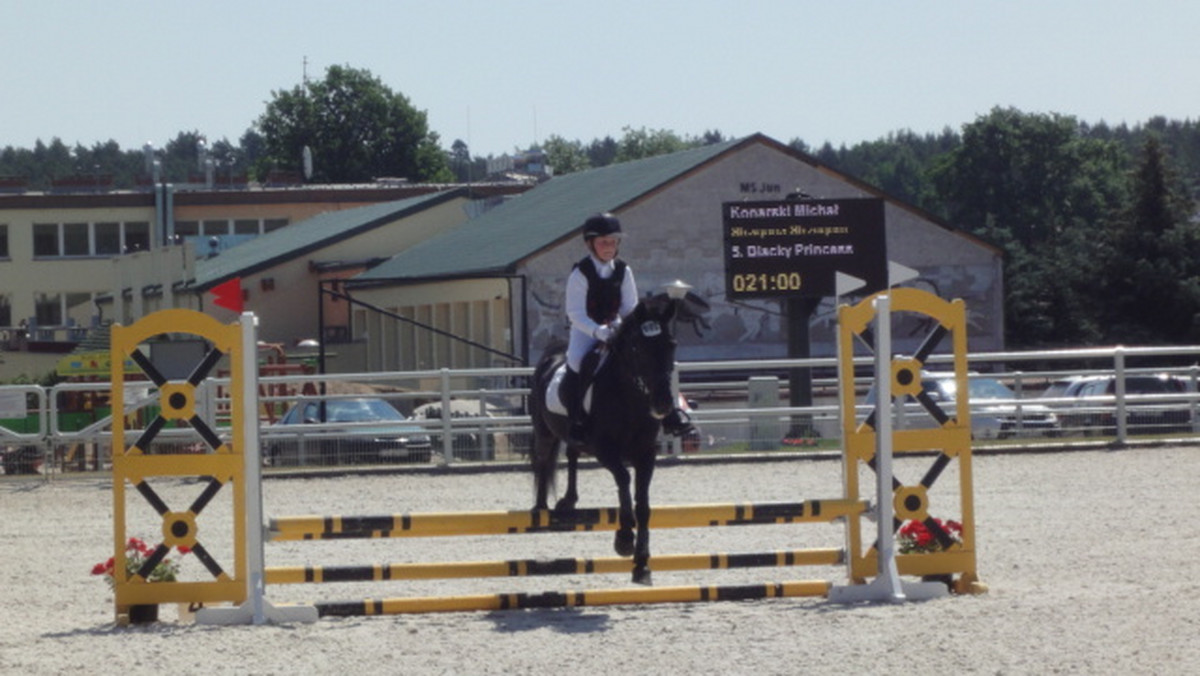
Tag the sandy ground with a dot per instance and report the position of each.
(1090, 557)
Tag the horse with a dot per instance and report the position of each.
(630, 395)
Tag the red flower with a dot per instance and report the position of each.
(137, 551)
(914, 536)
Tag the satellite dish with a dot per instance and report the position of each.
(307, 163)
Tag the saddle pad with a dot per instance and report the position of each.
(554, 403)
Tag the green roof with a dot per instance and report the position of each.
(496, 241)
(303, 238)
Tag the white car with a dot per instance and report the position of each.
(996, 412)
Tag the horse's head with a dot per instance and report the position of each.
(646, 345)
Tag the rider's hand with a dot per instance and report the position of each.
(603, 333)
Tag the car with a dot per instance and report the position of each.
(21, 460)
(466, 444)
(1156, 403)
(996, 412)
(345, 437)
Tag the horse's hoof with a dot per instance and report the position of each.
(623, 543)
(642, 576)
(564, 506)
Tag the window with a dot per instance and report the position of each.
(47, 308)
(137, 236)
(216, 228)
(75, 239)
(54, 240)
(245, 227)
(274, 224)
(5, 310)
(79, 307)
(45, 239)
(187, 228)
(3, 243)
(108, 239)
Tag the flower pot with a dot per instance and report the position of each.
(143, 614)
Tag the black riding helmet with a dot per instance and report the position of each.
(601, 225)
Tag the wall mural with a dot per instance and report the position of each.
(756, 329)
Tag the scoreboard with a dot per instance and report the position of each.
(796, 248)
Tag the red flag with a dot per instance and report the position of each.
(229, 295)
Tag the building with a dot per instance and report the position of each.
(498, 280)
(430, 278)
(62, 252)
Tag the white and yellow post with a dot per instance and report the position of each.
(230, 465)
(873, 442)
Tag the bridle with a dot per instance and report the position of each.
(632, 349)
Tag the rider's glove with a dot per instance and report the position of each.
(603, 334)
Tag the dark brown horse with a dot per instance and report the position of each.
(631, 393)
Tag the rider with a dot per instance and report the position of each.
(600, 292)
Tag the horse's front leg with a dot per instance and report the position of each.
(623, 542)
(641, 554)
(571, 498)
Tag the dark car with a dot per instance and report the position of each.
(1155, 404)
(358, 430)
(21, 460)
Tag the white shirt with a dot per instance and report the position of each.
(583, 328)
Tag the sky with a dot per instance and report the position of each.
(503, 75)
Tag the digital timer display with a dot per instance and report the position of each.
(786, 282)
(796, 248)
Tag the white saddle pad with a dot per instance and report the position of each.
(554, 403)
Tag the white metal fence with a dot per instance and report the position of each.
(740, 406)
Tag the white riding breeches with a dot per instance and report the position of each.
(577, 348)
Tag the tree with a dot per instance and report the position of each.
(460, 161)
(51, 161)
(1151, 270)
(565, 156)
(1034, 185)
(108, 160)
(602, 152)
(1032, 175)
(181, 156)
(640, 143)
(357, 128)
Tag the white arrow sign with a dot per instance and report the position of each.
(844, 283)
(899, 274)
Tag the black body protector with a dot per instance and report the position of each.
(604, 295)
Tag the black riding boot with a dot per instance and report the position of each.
(678, 423)
(573, 400)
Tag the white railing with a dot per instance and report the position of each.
(742, 406)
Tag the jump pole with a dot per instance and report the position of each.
(430, 524)
(572, 599)
(381, 572)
